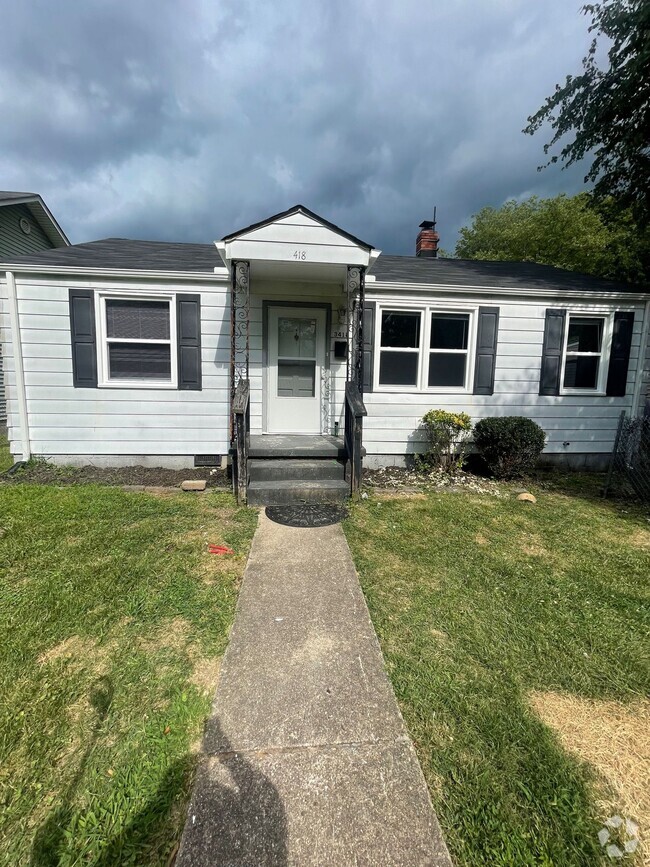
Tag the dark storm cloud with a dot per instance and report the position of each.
(185, 120)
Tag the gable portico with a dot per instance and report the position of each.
(297, 316)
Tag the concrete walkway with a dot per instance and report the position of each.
(306, 758)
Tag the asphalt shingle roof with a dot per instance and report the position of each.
(120, 253)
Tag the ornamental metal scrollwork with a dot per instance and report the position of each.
(325, 395)
(355, 287)
(239, 325)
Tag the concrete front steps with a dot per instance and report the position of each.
(284, 470)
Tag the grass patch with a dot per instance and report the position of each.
(494, 616)
(112, 621)
(6, 460)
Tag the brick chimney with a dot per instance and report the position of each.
(426, 245)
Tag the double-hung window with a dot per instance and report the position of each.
(138, 343)
(586, 346)
(427, 349)
(448, 350)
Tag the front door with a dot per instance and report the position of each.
(296, 354)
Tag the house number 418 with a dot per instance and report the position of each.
(300, 254)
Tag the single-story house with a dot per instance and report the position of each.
(296, 347)
(26, 226)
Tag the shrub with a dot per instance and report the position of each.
(510, 446)
(447, 434)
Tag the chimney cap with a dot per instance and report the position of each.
(427, 224)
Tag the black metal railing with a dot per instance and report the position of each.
(354, 413)
(241, 439)
(629, 468)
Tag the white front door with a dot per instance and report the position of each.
(296, 354)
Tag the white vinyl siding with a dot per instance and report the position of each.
(122, 421)
(575, 423)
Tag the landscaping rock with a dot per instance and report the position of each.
(527, 498)
(193, 485)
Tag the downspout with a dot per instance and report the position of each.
(643, 355)
(17, 348)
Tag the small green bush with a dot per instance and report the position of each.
(510, 446)
(447, 434)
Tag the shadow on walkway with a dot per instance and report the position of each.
(239, 816)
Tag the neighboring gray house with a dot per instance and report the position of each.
(295, 346)
(26, 226)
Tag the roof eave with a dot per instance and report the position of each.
(201, 276)
(519, 291)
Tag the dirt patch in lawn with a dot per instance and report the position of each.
(611, 736)
(640, 539)
(42, 473)
(206, 674)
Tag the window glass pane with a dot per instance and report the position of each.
(447, 369)
(449, 330)
(296, 337)
(398, 368)
(133, 320)
(296, 378)
(581, 371)
(139, 361)
(585, 335)
(400, 329)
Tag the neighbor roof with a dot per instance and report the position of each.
(122, 254)
(39, 211)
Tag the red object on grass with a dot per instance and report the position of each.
(219, 549)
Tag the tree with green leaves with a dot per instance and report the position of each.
(570, 232)
(608, 109)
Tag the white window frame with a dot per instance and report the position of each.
(605, 349)
(103, 379)
(424, 350)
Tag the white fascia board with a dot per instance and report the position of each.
(523, 293)
(197, 276)
(221, 249)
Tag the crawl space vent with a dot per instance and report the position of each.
(207, 460)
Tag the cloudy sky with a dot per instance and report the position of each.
(187, 119)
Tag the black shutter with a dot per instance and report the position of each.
(486, 350)
(84, 343)
(549, 380)
(188, 328)
(619, 359)
(369, 309)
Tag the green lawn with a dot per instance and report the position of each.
(5, 455)
(486, 606)
(113, 618)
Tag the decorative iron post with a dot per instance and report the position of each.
(355, 288)
(239, 331)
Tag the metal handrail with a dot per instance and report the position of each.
(354, 412)
(241, 429)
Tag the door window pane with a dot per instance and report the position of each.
(137, 320)
(296, 337)
(585, 334)
(581, 371)
(400, 330)
(449, 330)
(398, 368)
(447, 369)
(139, 361)
(296, 378)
